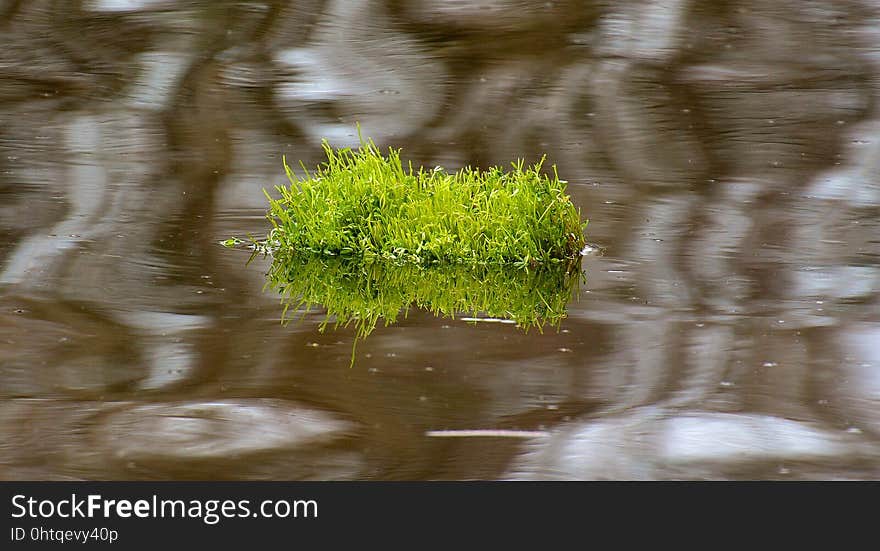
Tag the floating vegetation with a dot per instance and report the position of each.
(368, 238)
(364, 205)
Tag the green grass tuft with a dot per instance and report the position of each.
(362, 204)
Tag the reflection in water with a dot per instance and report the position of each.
(727, 154)
(651, 443)
(353, 291)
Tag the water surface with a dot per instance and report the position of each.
(725, 154)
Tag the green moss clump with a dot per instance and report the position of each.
(364, 205)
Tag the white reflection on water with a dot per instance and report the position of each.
(357, 68)
(221, 428)
(250, 438)
(652, 443)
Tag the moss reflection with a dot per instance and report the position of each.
(363, 294)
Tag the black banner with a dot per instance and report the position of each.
(226, 515)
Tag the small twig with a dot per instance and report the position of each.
(490, 433)
(490, 320)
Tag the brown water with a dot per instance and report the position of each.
(727, 155)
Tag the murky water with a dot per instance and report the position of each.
(727, 155)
